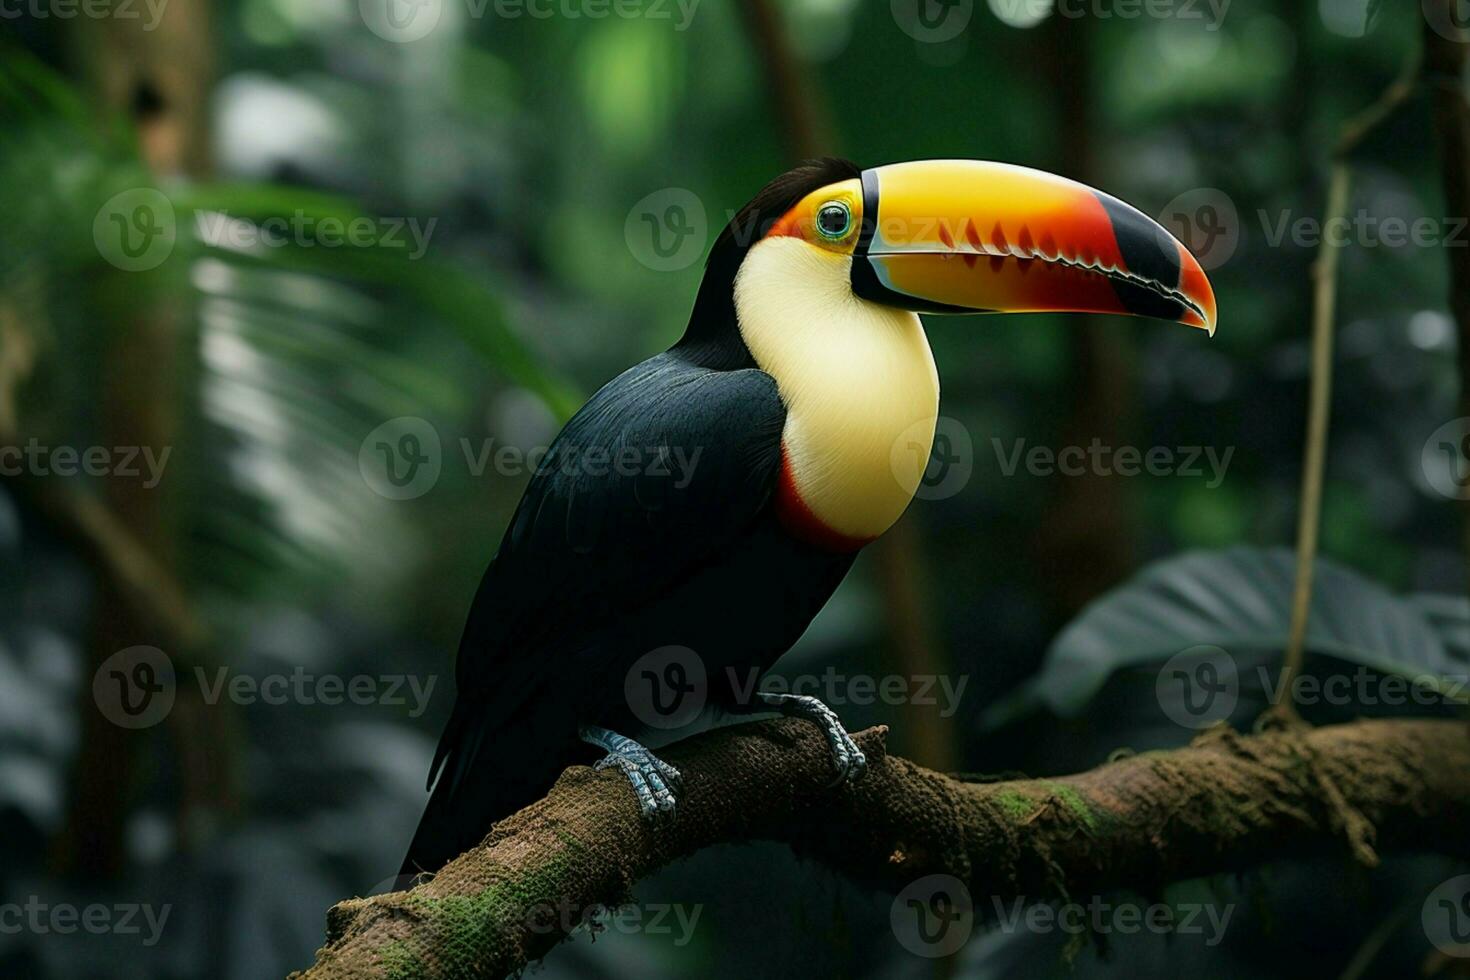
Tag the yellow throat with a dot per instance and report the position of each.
(858, 380)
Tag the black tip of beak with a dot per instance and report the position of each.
(1150, 255)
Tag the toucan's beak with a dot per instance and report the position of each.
(965, 236)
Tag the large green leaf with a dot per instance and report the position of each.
(1240, 600)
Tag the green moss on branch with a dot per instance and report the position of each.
(1225, 803)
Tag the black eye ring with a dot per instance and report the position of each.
(834, 220)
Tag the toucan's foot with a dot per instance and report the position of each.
(652, 778)
(846, 756)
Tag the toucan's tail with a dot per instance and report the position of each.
(488, 768)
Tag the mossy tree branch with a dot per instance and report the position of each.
(1225, 803)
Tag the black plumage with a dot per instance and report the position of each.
(602, 564)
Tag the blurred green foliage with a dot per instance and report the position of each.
(528, 142)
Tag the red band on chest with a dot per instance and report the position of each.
(802, 523)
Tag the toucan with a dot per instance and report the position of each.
(800, 386)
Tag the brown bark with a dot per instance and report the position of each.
(1225, 803)
(159, 80)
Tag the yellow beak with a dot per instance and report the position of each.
(965, 236)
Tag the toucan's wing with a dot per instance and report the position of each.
(656, 475)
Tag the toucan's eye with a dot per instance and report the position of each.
(834, 219)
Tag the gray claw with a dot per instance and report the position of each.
(650, 777)
(847, 758)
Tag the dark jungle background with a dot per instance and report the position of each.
(534, 187)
